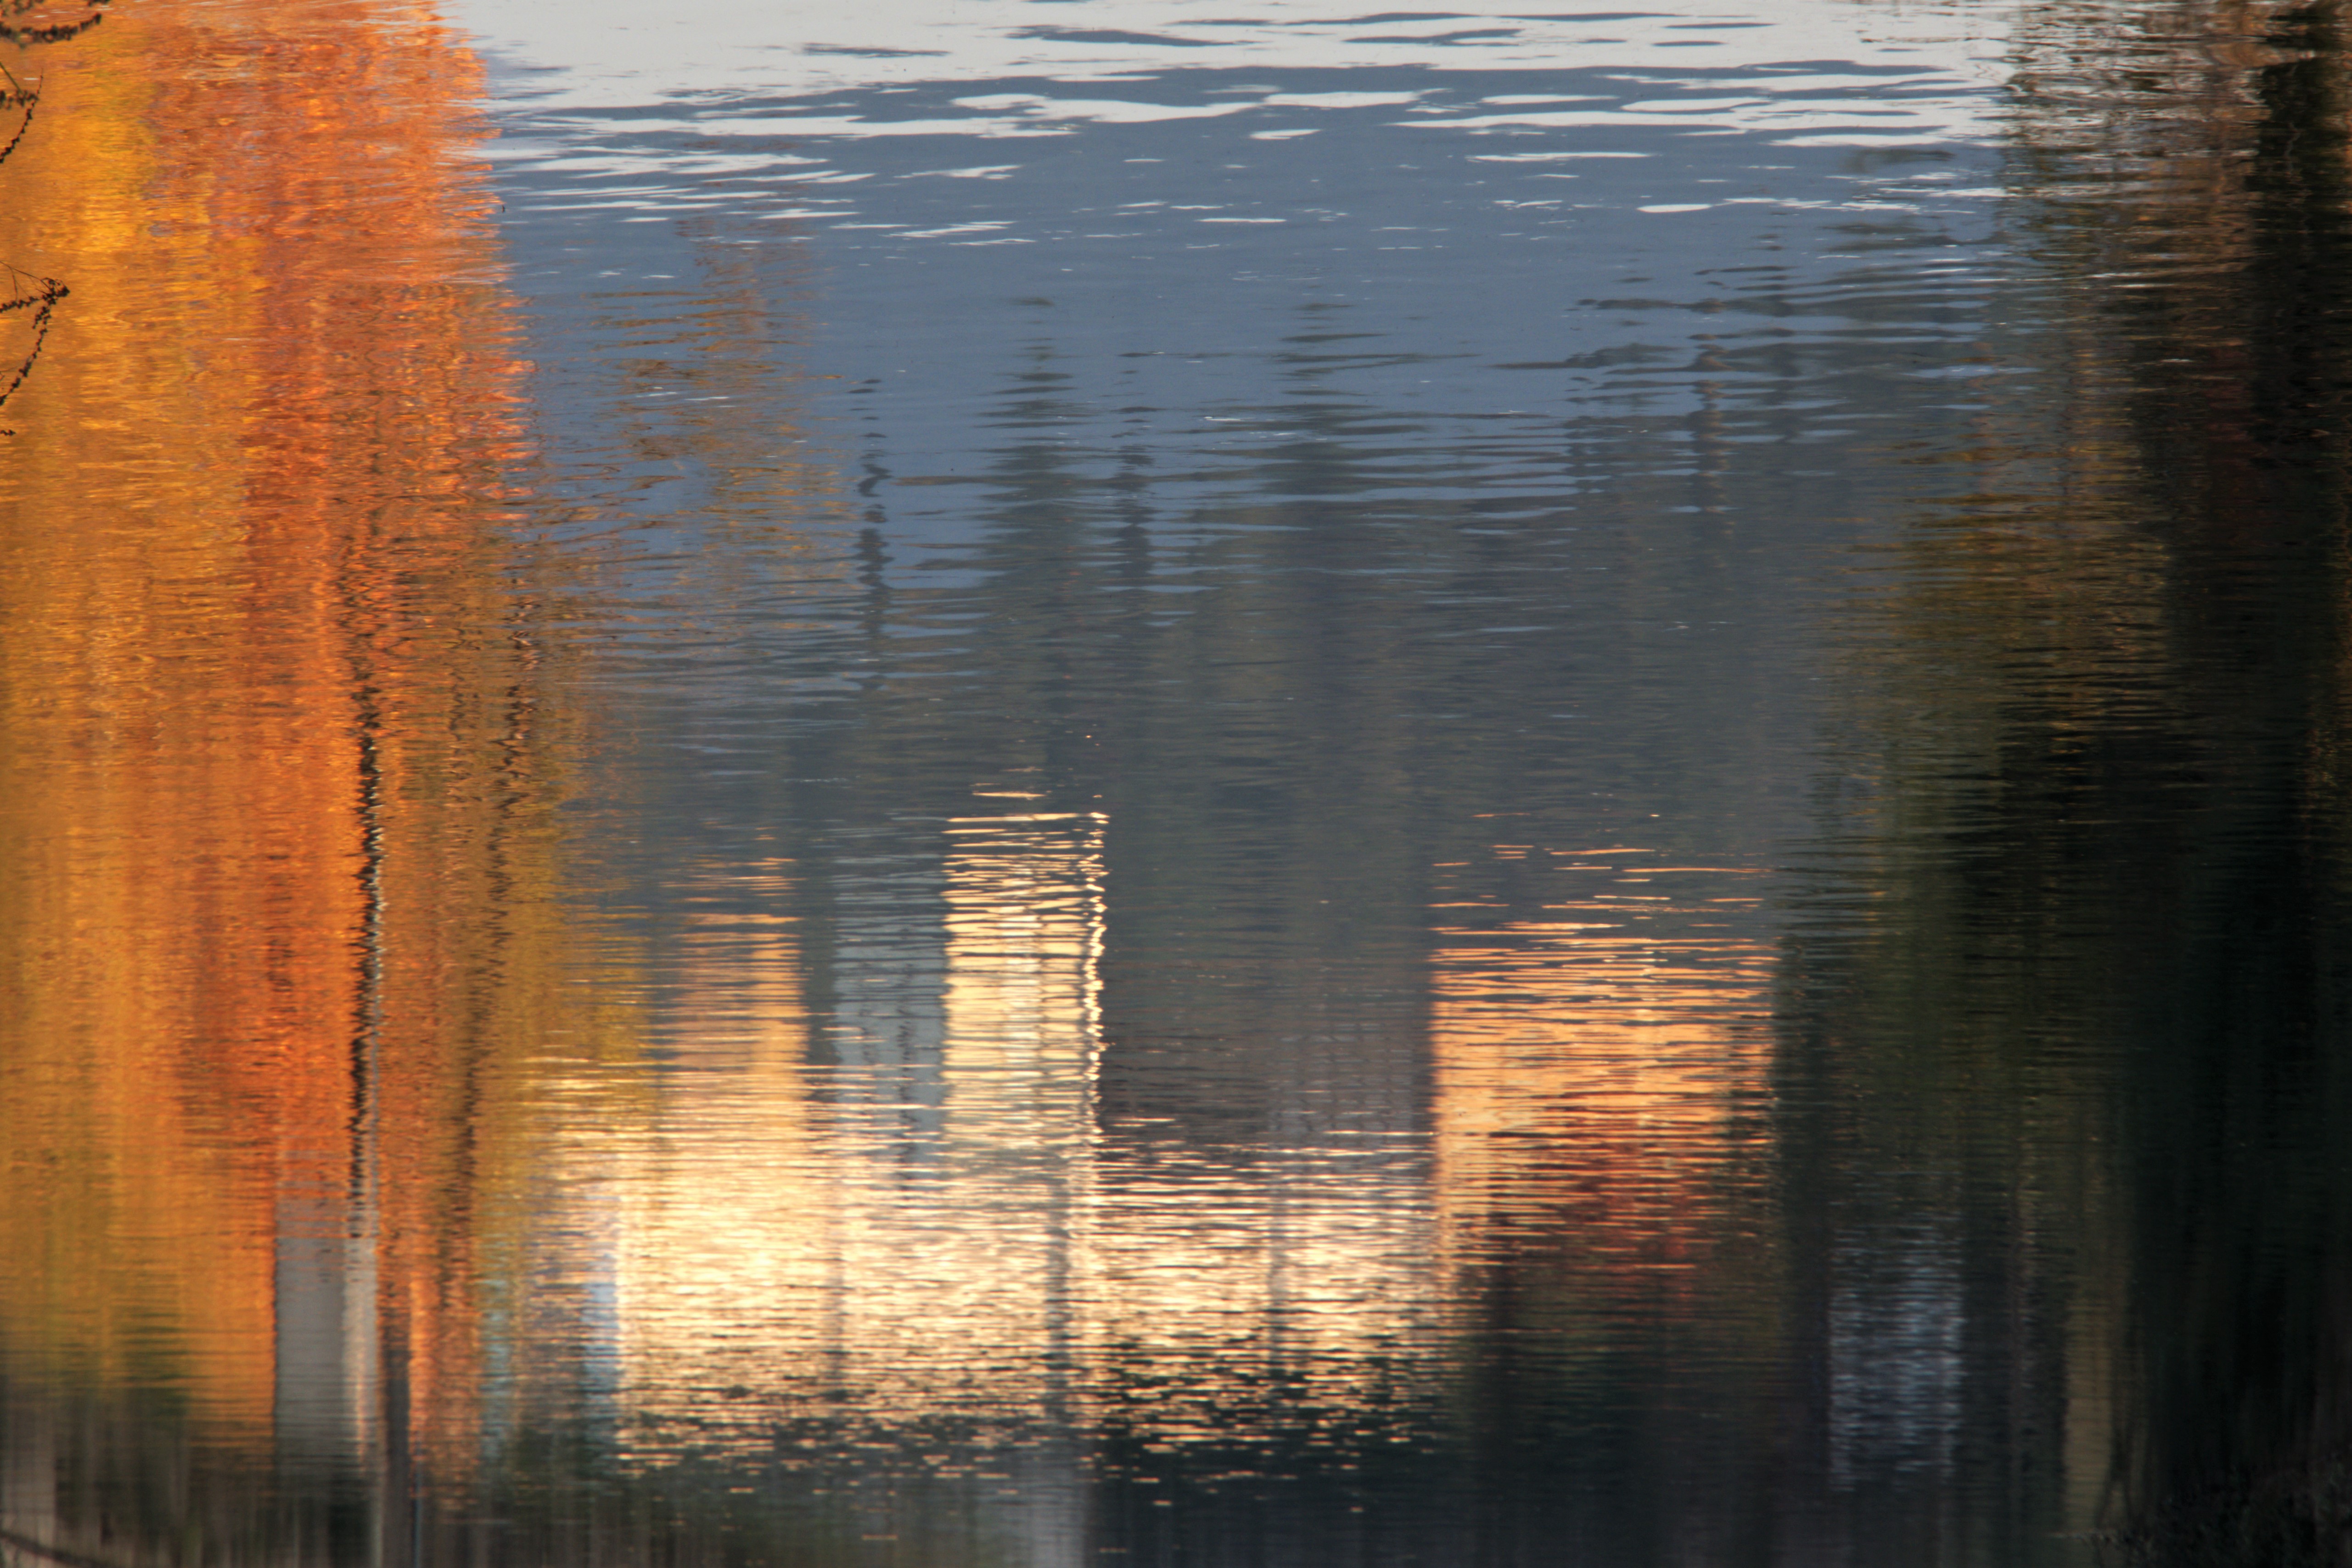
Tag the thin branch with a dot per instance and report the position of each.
(42, 301)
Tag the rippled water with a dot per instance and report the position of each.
(1189, 781)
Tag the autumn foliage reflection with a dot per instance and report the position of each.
(34, 298)
(276, 846)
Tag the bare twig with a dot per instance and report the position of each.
(41, 299)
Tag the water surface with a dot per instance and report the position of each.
(1151, 780)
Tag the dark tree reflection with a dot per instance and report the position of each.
(2096, 1030)
(2242, 1348)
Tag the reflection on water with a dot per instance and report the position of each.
(277, 789)
(1583, 1065)
(2114, 1067)
(1413, 787)
(929, 1279)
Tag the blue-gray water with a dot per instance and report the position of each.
(1161, 782)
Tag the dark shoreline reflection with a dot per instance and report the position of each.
(2237, 1429)
(2082, 1062)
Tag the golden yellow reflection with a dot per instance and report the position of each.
(276, 851)
(1589, 1071)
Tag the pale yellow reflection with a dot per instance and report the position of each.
(1024, 932)
(972, 1249)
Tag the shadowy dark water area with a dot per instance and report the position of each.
(1163, 786)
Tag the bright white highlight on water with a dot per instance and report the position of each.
(595, 55)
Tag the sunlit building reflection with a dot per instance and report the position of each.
(966, 1284)
(1591, 1074)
